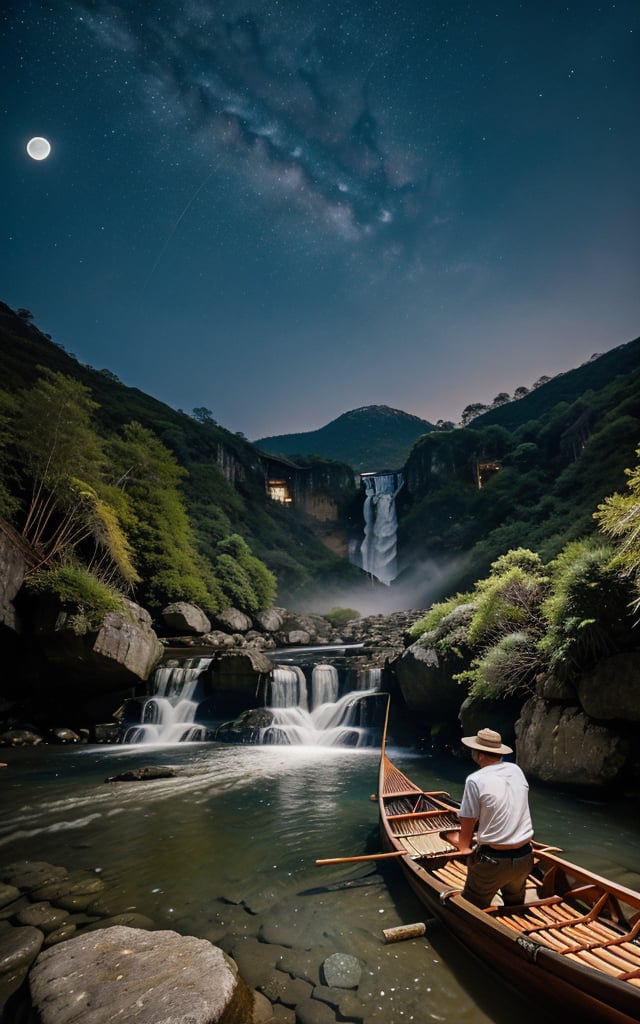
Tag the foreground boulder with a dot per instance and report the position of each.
(140, 977)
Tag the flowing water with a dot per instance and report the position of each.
(379, 546)
(228, 847)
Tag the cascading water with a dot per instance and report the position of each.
(331, 720)
(310, 710)
(379, 547)
(168, 716)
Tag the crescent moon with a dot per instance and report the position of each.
(38, 148)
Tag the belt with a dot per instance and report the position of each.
(519, 851)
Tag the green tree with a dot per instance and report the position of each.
(587, 610)
(619, 518)
(63, 459)
(157, 522)
(243, 577)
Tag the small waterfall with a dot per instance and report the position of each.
(332, 720)
(379, 547)
(168, 716)
(288, 688)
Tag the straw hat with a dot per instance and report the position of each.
(487, 740)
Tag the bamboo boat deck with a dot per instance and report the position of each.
(572, 912)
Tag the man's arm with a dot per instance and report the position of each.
(463, 838)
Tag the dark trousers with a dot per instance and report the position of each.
(489, 871)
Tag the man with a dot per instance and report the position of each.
(496, 798)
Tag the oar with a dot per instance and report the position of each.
(352, 860)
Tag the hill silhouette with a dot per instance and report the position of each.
(370, 438)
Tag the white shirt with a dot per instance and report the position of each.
(498, 797)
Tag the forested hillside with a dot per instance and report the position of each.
(162, 504)
(528, 474)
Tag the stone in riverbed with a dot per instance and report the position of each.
(131, 975)
(342, 971)
(8, 894)
(43, 916)
(28, 875)
(152, 771)
(18, 949)
(310, 1011)
(255, 960)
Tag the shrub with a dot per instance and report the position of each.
(339, 617)
(75, 586)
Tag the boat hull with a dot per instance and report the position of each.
(523, 961)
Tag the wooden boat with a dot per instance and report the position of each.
(574, 942)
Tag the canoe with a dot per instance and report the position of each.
(575, 942)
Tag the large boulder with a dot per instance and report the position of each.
(132, 975)
(121, 652)
(612, 688)
(233, 680)
(184, 618)
(235, 620)
(426, 683)
(564, 746)
(270, 620)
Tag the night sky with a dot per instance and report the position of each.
(288, 209)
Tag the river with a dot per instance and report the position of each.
(226, 850)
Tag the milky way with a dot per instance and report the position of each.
(285, 209)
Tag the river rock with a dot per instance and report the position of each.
(182, 617)
(234, 620)
(612, 688)
(42, 916)
(63, 736)
(564, 746)
(234, 679)
(8, 894)
(145, 773)
(28, 875)
(310, 1011)
(342, 971)
(20, 738)
(255, 960)
(130, 975)
(246, 727)
(18, 948)
(270, 620)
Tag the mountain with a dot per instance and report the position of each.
(371, 438)
(223, 488)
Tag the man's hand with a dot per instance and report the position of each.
(454, 837)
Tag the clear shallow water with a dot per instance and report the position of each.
(230, 845)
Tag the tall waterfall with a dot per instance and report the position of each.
(329, 720)
(379, 547)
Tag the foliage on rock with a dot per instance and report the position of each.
(88, 598)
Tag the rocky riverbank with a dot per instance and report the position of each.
(66, 947)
